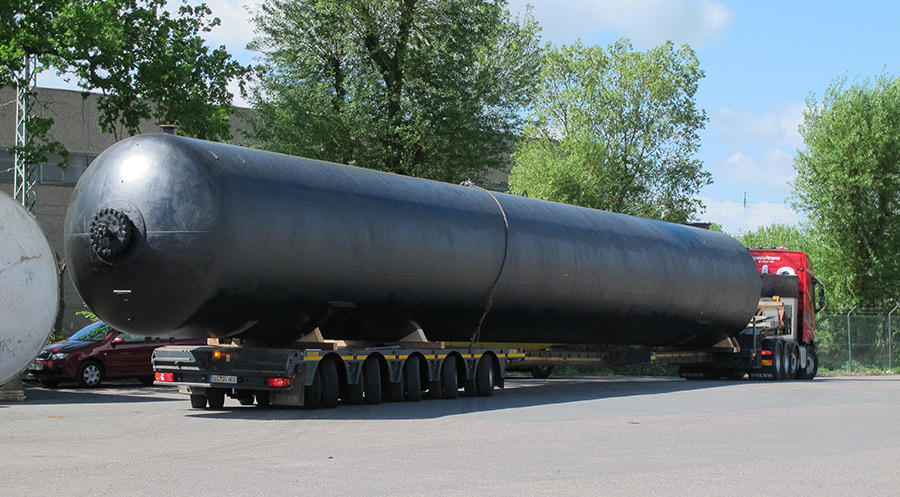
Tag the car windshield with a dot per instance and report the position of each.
(92, 332)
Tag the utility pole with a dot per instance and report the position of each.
(23, 177)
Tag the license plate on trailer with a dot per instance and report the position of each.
(36, 366)
(218, 378)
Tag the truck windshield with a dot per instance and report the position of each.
(92, 332)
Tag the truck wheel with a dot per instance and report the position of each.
(198, 401)
(90, 374)
(812, 366)
(371, 382)
(484, 377)
(792, 358)
(540, 372)
(330, 383)
(449, 380)
(413, 379)
(778, 361)
(216, 398)
(312, 393)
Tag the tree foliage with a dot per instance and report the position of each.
(146, 62)
(430, 88)
(848, 184)
(616, 129)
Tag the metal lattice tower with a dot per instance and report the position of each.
(23, 177)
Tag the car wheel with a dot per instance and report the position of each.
(90, 374)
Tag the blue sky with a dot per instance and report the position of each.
(762, 59)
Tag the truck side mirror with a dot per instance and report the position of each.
(820, 304)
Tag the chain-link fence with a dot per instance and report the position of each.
(859, 340)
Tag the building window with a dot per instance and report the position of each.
(48, 173)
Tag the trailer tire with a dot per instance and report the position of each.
(812, 365)
(330, 383)
(540, 372)
(412, 375)
(484, 377)
(198, 401)
(371, 380)
(215, 397)
(449, 380)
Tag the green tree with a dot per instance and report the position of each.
(795, 237)
(146, 62)
(848, 184)
(417, 87)
(616, 129)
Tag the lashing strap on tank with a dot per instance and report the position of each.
(476, 334)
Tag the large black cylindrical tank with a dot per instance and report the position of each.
(171, 236)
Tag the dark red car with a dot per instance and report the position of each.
(97, 353)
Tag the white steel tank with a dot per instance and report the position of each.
(29, 286)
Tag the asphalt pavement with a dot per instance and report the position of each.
(563, 436)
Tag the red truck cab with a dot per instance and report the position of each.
(781, 261)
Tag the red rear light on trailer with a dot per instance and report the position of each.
(166, 377)
(279, 382)
(765, 352)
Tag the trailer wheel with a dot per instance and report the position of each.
(449, 381)
(371, 380)
(484, 377)
(216, 398)
(540, 372)
(413, 379)
(312, 393)
(330, 384)
(812, 366)
(198, 401)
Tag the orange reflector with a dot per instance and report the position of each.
(168, 377)
(767, 363)
(279, 382)
(217, 354)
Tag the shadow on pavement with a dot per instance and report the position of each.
(519, 393)
(105, 394)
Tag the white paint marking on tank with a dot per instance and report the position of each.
(213, 154)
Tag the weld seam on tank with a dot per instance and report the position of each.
(476, 333)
